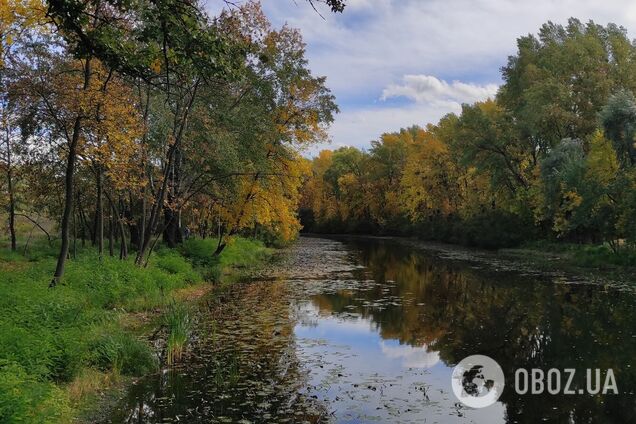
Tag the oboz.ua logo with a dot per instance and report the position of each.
(478, 381)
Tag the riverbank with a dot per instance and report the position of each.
(559, 261)
(65, 351)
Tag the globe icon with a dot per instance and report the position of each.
(477, 381)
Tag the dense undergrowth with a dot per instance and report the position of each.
(59, 346)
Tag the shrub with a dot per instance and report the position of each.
(200, 252)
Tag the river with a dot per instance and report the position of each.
(369, 330)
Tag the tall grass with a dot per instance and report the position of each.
(52, 339)
(49, 336)
(177, 321)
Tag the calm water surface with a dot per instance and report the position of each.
(368, 330)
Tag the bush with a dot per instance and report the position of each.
(239, 253)
(602, 256)
(495, 229)
(200, 252)
(175, 264)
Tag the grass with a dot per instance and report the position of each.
(58, 346)
(239, 255)
(594, 260)
(584, 255)
(177, 321)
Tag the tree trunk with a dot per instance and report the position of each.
(142, 229)
(82, 219)
(11, 194)
(123, 254)
(68, 185)
(99, 212)
(74, 234)
(111, 236)
(172, 233)
(133, 224)
(151, 226)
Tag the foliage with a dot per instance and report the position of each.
(25, 398)
(123, 353)
(177, 321)
(551, 156)
(48, 336)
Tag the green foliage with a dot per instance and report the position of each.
(242, 253)
(25, 398)
(48, 335)
(618, 117)
(177, 321)
(200, 252)
(123, 353)
(602, 256)
(239, 253)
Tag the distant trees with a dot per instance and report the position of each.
(551, 156)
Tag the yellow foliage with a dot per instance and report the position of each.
(429, 182)
(15, 16)
(602, 163)
(571, 201)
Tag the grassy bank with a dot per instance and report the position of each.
(59, 348)
(590, 259)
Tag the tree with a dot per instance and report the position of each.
(618, 118)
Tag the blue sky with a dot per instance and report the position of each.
(395, 63)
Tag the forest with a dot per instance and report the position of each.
(551, 157)
(140, 121)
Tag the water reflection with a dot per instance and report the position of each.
(455, 311)
(369, 330)
(412, 357)
(243, 367)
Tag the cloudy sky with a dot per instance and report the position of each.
(395, 63)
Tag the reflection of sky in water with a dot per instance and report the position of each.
(366, 378)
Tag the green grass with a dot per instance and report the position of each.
(178, 323)
(581, 255)
(48, 336)
(52, 339)
(239, 255)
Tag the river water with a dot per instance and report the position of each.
(369, 330)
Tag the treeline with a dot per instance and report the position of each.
(131, 122)
(550, 157)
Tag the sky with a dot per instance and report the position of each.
(395, 63)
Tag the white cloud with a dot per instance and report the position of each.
(427, 88)
(412, 357)
(357, 127)
(375, 43)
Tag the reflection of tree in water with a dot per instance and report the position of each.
(243, 366)
(460, 311)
